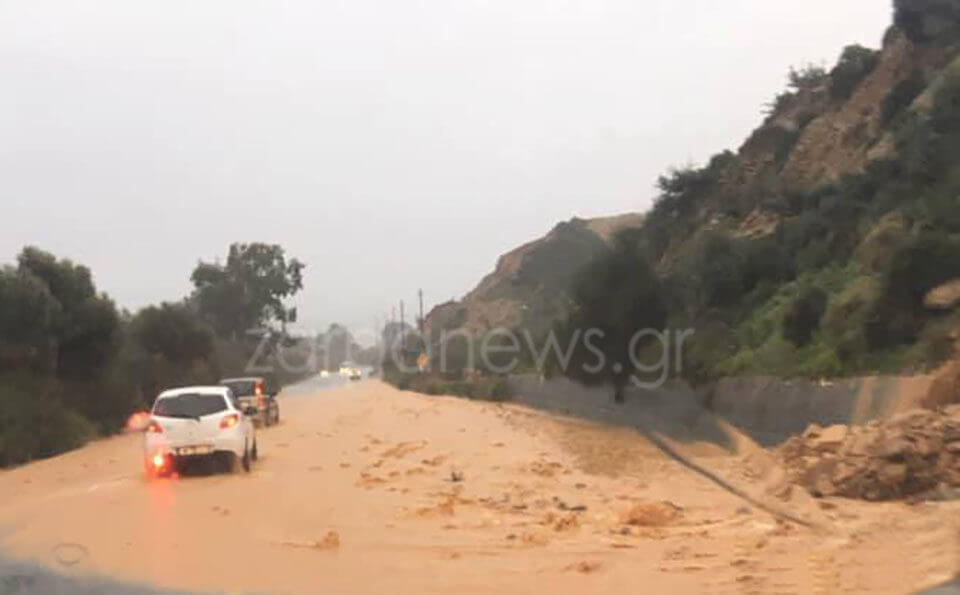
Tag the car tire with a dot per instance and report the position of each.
(245, 461)
(253, 452)
(276, 415)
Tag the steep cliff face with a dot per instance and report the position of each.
(812, 138)
(529, 286)
(848, 135)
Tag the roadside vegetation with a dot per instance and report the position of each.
(481, 387)
(73, 366)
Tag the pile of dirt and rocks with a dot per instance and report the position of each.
(914, 454)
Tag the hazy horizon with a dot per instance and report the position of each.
(388, 147)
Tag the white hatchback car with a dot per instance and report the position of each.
(199, 422)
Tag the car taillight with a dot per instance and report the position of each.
(229, 421)
(154, 428)
(159, 461)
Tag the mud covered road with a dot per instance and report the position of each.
(364, 489)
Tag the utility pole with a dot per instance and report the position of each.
(420, 320)
(403, 335)
(393, 329)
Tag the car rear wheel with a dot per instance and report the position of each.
(253, 453)
(245, 461)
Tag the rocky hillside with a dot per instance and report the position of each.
(529, 287)
(825, 245)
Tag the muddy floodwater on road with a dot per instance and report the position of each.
(365, 489)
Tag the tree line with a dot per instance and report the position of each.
(73, 365)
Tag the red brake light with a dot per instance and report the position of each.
(258, 389)
(154, 428)
(228, 421)
(159, 460)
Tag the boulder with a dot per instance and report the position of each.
(911, 454)
(830, 438)
(943, 297)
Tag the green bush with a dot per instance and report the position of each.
(802, 318)
(35, 423)
(715, 266)
(881, 241)
(808, 76)
(819, 361)
(855, 63)
(485, 388)
(845, 319)
(925, 21)
(918, 265)
(902, 95)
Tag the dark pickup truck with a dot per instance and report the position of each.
(258, 392)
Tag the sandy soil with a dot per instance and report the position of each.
(364, 489)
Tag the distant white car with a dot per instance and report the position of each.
(351, 370)
(198, 422)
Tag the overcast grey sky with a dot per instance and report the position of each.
(388, 144)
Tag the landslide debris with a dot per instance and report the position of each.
(914, 454)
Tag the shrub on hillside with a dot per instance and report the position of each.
(945, 115)
(764, 261)
(855, 63)
(715, 268)
(927, 20)
(879, 244)
(712, 343)
(809, 76)
(803, 316)
(681, 189)
(902, 95)
(844, 321)
(918, 265)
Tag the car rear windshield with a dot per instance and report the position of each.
(189, 405)
(240, 388)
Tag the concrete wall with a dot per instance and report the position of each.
(771, 410)
(768, 410)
